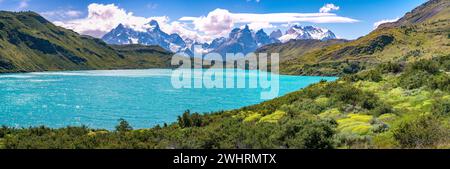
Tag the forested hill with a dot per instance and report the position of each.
(422, 33)
(28, 42)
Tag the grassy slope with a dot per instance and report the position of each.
(400, 42)
(293, 48)
(28, 42)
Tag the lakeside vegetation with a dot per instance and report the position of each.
(390, 106)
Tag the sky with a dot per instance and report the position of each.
(204, 20)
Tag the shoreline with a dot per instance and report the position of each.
(155, 125)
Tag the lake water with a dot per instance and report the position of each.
(99, 98)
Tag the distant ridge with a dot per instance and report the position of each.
(28, 42)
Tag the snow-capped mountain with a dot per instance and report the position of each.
(151, 36)
(307, 32)
(240, 40)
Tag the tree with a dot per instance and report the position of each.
(190, 120)
(123, 126)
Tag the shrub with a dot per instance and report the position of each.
(441, 108)
(373, 75)
(123, 126)
(382, 109)
(390, 67)
(441, 81)
(429, 66)
(352, 68)
(190, 120)
(414, 79)
(424, 132)
(308, 134)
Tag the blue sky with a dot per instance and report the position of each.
(352, 18)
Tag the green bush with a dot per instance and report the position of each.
(414, 79)
(440, 81)
(123, 126)
(425, 131)
(190, 120)
(308, 134)
(441, 108)
(352, 68)
(390, 67)
(429, 66)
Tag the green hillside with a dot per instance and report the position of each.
(28, 42)
(293, 48)
(422, 33)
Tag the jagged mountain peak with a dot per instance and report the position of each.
(154, 25)
(307, 32)
(152, 36)
(276, 34)
(241, 39)
(260, 31)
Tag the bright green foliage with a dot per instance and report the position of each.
(355, 124)
(274, 117)
(253, 117)
(332, 113)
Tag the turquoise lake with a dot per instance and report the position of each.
(98, 99)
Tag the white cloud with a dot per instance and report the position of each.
(61, 14)
(376, 24)
(328, 7)
(270, 17)
(103, 18)
(260, 25)
(220, 21)
(23, 4)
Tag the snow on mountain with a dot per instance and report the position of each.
(240, 40)
(307, 32)
(153, 35)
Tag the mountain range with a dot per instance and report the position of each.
(240, 40)
(29, 42)
(153, 35)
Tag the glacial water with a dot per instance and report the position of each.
(99, 98)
